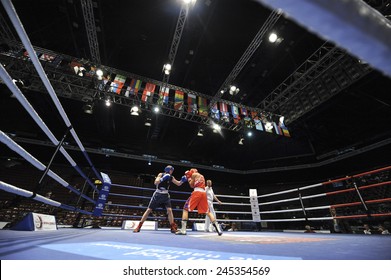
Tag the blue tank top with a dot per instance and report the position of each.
(165, 185)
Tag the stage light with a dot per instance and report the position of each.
(273, 37)
(167, 69)
(148, 122)
(233, 90)
(156, 109)
(88, 108)
(216, 128)
(108, 101)
(134, 111)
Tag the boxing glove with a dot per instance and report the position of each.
(188, 174)
(165, 177)
(184, 179)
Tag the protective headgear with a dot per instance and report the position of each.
(168, 168)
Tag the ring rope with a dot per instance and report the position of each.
(10, 9)
(21, 192)
(18, 149)
(27, 106)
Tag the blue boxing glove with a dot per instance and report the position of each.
(165, 177)
(184, 179)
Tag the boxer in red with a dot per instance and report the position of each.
(197, 200)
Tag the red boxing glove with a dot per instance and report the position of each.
(188, 174)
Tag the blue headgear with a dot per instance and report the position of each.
(168, 168)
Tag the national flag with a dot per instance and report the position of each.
(243, 111)
(104, 83)
(47, 57)
(248, 122)
(215, 113)
(191, 103)
(235, 114)
(163, 95)
(148, 92)
(257, 121)
(178, 101)
(133, 87)
(118, 83)
(284, 130)
(75, 66)
(91, 72)
(224, 112)
(203, 107)
(277, 128)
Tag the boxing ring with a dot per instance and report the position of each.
(260, 235)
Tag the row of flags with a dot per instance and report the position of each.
(196, 105)
(150, 93)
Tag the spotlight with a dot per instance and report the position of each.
(273, 37)
(99, 74)
(156, 109)
(268, 126)
(249, 134)
(233, 90)
(216, 128)
(134, 111)
(88, 108)
(108, 101)
(148, 122)
(167, 68)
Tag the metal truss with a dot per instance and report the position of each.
(270, 21)
(328, 71)
(293, 97)
(177, 38)
(333, 80)
(89, 21)
(68, 85)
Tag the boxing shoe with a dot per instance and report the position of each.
(180, 232)
(137, 229)
(217, 228)
(174, 228)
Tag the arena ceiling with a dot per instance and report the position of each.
(137, 36)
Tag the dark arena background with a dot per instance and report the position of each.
(288, 115)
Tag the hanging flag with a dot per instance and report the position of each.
(133, 87)
(243, 111)
(163, 95)
(47, 57)
(224, 112)
(118, 83)
(203, 107)
(284, 129)
(191, 103)
(277, 128)
(105, 83)
(148, 92)
(257, 121)
(248, 122)
(215, 112)
(178, 101)
(235, 114)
